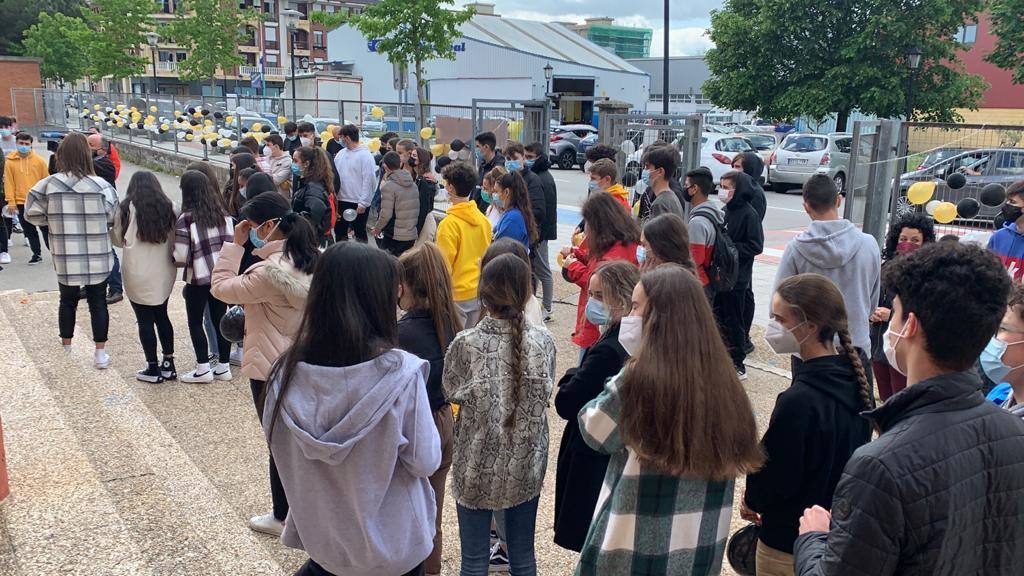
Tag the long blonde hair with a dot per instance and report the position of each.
(684, 410)
(425, 274)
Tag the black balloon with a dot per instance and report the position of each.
(191, 110)
(205, 112)
(232, 324)
(992, 195)
(265, 129)
(741, 550)
(218, 115)
(245, 130)
(956, 181)
(968, 208)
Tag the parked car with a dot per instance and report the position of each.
(981, 167)
(716, 153)
(564, 144)
(936, 156)
(764, 143)
(581, 150)
(800, 156)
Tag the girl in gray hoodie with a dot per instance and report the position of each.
(348, 420)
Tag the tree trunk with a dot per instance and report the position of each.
(842, 118)
(421, 97)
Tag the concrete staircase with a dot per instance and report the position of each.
(113, 476)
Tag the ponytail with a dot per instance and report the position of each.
(302, 246)
(858, 368)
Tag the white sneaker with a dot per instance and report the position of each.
(222, 372)
(236, 357)
(266, 524)
(5, 258)
(198, 376)
(102, 359)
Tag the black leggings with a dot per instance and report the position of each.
(148, 318)
(196, 300)
(96, 295)
(311, 568)
(277, 494)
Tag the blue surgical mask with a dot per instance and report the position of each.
(5, 132)
(992, 360)
(497, 201)
(258, 242)
(478, 154)
(530, 163)
(641, 254)
(596, 312)
(645, 177)
(592, 186)
(514, 165)
(296, 169)
(242, 192)
(24, 150)
(485, 195)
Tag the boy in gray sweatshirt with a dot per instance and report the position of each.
(836, 249)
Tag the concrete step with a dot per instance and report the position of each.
(100, 485)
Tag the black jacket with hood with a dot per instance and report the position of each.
(753, 166)
(310, 200)
(941, 491)
(548, 229)
(814, 429)
(744, 228)
(538, 202)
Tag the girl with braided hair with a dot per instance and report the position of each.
(500, 373)
(816, 424)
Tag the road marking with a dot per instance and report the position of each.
(788, 209)
(772, 252)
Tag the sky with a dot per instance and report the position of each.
(687, 25)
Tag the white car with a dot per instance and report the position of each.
(716, 153)
(800, 156)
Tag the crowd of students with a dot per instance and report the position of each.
(357, 356)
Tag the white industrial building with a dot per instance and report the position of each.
(501, 58)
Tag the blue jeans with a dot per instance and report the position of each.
(520, 528)
(114, 280)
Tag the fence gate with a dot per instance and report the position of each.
(523, 121)
(631, 134)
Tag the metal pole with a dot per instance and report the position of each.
(341, 112)
(291, 52)
(174, 131)
(910, 95)
(664, 65)
(152, 53)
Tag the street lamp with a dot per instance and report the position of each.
(548, 72)
(152, 38)
(913, 64)
(291, 20)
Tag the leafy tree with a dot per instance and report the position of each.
(59, 39)
(790, 58)
(211, 30)
(18, 16)
(117, 31)
(409, 32)
(1008, 26)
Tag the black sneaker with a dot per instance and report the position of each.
(151, 374)
(499, 560)
(741, 373)
(748, 347)
(167, 370)
(36, 259)
(114, 297)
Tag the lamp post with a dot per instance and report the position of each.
(291, 19)
(664, 65)
(548, 73)
(913, 64)
(152, 38)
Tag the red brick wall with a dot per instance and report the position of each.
(1002, 92)
(18, 72)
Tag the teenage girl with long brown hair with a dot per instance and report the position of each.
(679, 428)
(816, 424)
(430, 323)
(500, 372)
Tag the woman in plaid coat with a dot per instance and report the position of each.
(679, 429)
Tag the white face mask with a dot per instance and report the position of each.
(631, 330)
(723, 196)
(781, 339)
(305, 141)
(890, 348)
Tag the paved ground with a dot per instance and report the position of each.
(113, 476)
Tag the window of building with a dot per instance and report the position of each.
(167, 6)
(269, 7)
(165, 56)
(318, 39)
(967, 34)
(272, 60)
(181, 56)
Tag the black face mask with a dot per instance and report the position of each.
(411, 162)
(1011, 213)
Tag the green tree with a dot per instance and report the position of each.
(117, 31)
(18, 16)
(59, 40)
(790, 58)
(1008, 26)
(211, 30)
(409, 32)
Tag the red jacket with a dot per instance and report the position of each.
(116, 159)
(586, 334)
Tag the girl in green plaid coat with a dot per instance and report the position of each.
(679, 428)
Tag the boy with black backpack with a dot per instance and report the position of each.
(713, 252)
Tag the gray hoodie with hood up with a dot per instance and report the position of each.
(838, 250)
(355, 447)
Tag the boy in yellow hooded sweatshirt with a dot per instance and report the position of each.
(463, 236)
(23, 168)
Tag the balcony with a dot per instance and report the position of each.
(170, 68)
(268, 71)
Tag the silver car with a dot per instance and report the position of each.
(565, 142)
(801, 156)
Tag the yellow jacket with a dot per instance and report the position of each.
(463, 236)
(20, 174)
(620, 194)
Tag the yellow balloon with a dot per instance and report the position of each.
(426, 133)
(224, 142)
(96, 107)
(373, 145)
(85, 110)
(920, 192)
(325, 136)
(577, 239)
(330, 128)
(437, 150)
(190, 137)
(377, 112)
(120, 106)
(229, 120)
(153, 109)
(207, 122)
(150, 119)
(197, 114)
(136, 116)
(255, 127)
(165, 127)
(177, 112)
(134, 109)
(561, 260)
(282, 120)
(945, 213)
(120, 123)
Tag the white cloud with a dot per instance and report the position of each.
(690, 41)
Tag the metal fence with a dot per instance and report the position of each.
(632, 134)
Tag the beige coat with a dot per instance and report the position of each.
(273, 294)
(280, 170)
(400, 199)
(148, 269)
